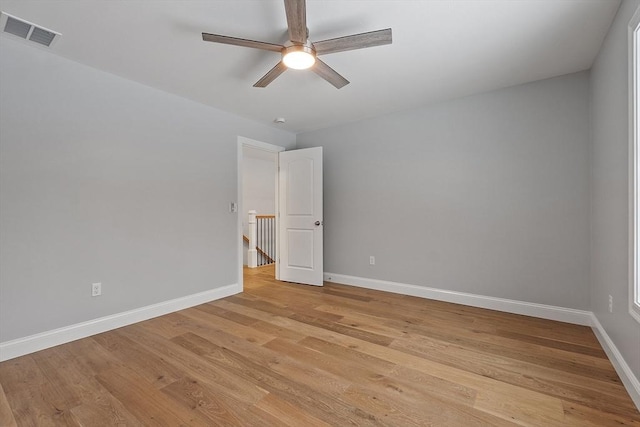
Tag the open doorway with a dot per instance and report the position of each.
(298, 212)
(257, 192)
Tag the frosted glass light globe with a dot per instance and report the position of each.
(299, 57)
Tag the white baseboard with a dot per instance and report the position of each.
(629, 380)
(569, 315)
(33, 343)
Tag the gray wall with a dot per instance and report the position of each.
(105, 180)
(258, 186)
(486, 194)
(610, 189)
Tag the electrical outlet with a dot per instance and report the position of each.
(96, 289)
(610, 304)
(372, 260)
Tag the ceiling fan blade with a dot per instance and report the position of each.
(216, 38)
(352, 42)
(271, 75)
(329, 74)
(296, 20)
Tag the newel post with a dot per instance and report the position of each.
(252, 254)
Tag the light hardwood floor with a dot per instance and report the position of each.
(284, 354)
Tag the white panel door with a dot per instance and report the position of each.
(300, 203)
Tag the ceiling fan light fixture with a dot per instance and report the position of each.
(298, 57)
(299, 53)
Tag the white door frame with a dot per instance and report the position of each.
(242, 141)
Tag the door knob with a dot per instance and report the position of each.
(317, 222)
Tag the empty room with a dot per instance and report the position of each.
(320, 213)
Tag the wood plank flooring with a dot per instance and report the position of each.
(282, 354)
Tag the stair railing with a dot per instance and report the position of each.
(252, 254)
(262, 240)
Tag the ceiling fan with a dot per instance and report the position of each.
(300, 53)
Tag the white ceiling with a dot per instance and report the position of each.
(442, 49)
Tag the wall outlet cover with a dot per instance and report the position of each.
(96, 289)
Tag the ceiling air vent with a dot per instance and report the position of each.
(26, 30)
